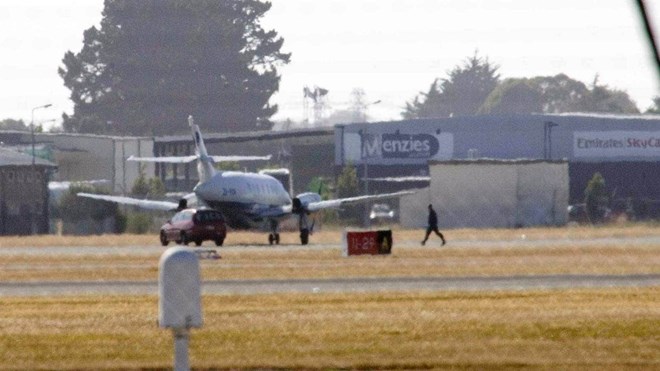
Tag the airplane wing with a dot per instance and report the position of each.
(275, 212)
(315, 206)
(145, 204)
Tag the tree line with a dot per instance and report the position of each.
(475, 87)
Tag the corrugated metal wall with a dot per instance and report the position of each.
(491, 194)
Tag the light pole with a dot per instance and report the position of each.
(366, 169)
(366, 107)
(32, 126)
(365, 172)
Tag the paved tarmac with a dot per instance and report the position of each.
(246, 287)
(476, 283)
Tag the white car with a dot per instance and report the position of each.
(381, 213)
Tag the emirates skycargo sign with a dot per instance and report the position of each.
(616, 144)
(405, 146)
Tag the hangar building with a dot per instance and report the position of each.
(491, 193)
(86, 157)
(624, 149)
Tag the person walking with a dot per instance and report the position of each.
(433, 226)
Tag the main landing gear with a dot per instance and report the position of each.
(274, 238)
(304, 236)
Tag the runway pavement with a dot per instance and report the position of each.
(475, 283)
(356, 284)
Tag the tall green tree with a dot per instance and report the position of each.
(462, 93)
(561, 93)
(144, 187)
(596, 198)
(348, 186)
(513, 96)
(656, 106)
(11, 124)
(73, 209)
(604, 99)
(556, 94)
(153, 63)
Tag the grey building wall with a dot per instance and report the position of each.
(89, 157)
(23, 194)
(625, 149)
(590, 138)
(491, 194)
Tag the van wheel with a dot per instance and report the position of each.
(219, 241)
(184, 239)
(198, 242)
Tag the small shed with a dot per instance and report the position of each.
(23, 193)
(486, 193)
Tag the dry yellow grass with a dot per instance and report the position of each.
(581, 329)
(556, 329)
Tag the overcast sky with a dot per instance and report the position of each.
(391, 49)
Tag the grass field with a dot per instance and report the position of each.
(581, 329)
(543, 329)
(329, 263)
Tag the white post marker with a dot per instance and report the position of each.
(179, 299)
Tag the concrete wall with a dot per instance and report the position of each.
(491, 194)
(412, 209)
(94, 157)
(125, 172)
(81, 157)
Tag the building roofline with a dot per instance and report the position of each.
(494, 161)
(250, 136)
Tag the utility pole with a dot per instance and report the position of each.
(32, 126)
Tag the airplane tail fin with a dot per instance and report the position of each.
(205, 162)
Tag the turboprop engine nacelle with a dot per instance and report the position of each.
(301, 201)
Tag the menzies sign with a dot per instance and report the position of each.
(605, 144)
(397, 147)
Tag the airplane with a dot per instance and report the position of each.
(247, 200)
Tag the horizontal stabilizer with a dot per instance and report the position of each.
(144, 204)
(187, 159)
(240, 158)
(166, 159)
(319, 205)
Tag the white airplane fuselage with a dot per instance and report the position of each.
(244, 198)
